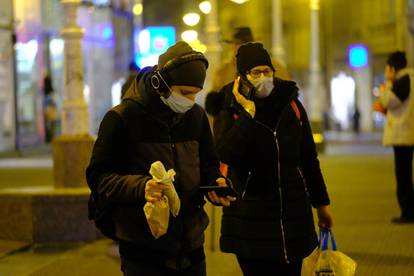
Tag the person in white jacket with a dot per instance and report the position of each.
(397, 100)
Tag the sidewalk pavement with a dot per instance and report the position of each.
(362, 191)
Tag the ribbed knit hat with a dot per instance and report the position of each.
(251, 55)
(191, 72)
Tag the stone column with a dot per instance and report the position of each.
(213, 53)
(316, 91)
(138, 18)
(363, 81)
(410, 31)
(278, 50)
(138, 22)
(71, 151)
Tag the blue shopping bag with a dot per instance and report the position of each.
(325, 261)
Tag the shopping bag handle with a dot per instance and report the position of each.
(324, 235)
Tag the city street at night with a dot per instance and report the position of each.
(149, 134)
(362, 190)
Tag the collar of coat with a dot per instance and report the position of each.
(405, 71)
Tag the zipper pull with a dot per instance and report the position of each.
(249, 175)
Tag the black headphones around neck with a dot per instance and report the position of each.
(159, 80)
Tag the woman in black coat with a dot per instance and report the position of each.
(265, 140)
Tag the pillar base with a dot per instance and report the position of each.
(46, 215)
(71, 156)
(318, 136)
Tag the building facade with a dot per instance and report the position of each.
(39, 48)
(381, 26)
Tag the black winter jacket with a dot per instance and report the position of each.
(274, 166)
(133, 135)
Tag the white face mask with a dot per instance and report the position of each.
(263, 85)
(177, 102)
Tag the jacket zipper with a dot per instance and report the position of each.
(172, 145)
(249, 175)
(303, 180)
(280, 195)
(282, 228)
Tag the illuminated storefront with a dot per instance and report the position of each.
(7, 129)
(107, 50)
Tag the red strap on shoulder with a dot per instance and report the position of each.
(224, 169)
(296, 110)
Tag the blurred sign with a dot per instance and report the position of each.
(99, 2)
(151, 42)
(358, 56)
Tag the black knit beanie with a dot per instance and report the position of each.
(190, 73)
(251, 55)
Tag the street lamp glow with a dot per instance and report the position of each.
(314, 4)
(189, 36)
(137, 9)
(205, 7)
(191, 19)
(239, 1)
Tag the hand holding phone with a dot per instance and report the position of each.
(246, 88)
(225, 191)
(221, 191)
(247, 104)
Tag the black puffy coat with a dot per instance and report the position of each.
(273, 165)
(133, 135)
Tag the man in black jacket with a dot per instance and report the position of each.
(158, 121)
(262, 133)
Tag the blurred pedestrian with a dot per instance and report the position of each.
(355, 120)
(51, 114)
(157, 120)
(263, 135)
(133, 71)
(396, 101)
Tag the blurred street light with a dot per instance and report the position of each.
(137, 9)
(191, 19)
(189, 36)
(239, 1)
(205, 7)
(314, 4)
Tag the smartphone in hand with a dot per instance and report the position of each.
(221, 191)
(246, 88)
